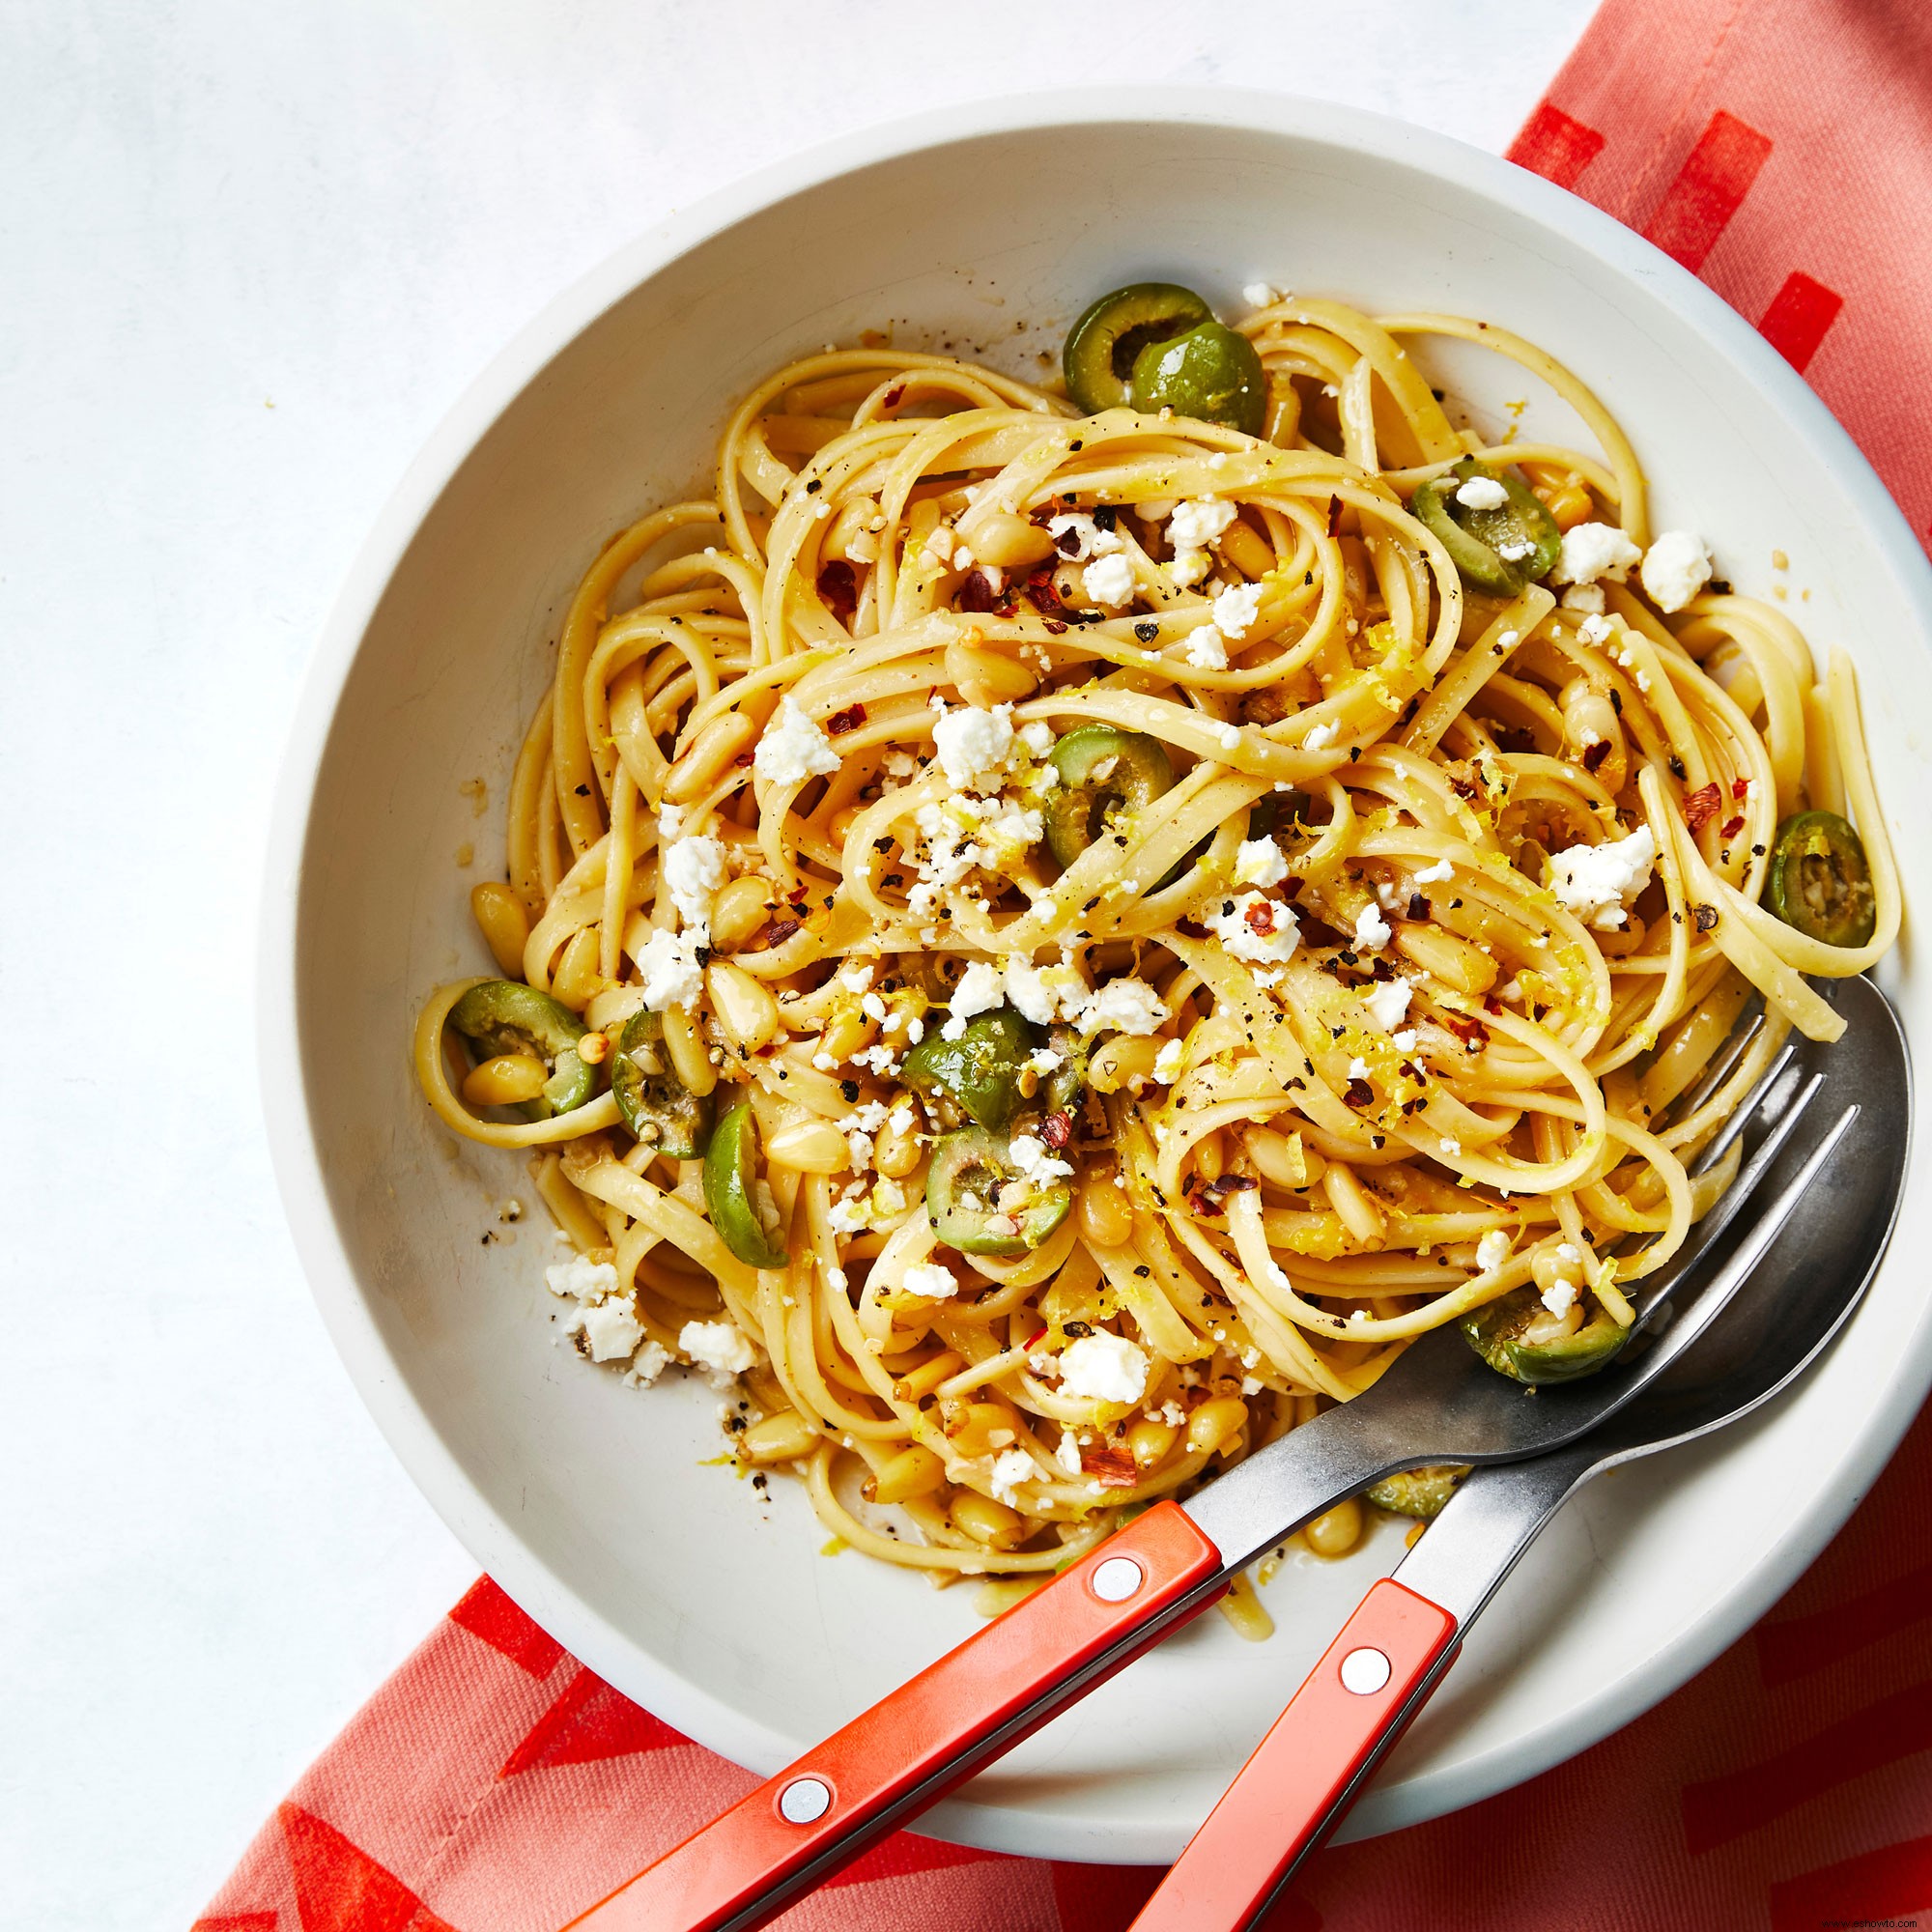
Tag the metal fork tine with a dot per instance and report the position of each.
(1722, 1064)
(1751, 1248)
(1724, 1209)
(1720, 1142)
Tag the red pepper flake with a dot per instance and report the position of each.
(1334, 516)
(1058, 1130)
(1733, 825)
(1191, 927)
(1034, 1342)
(1702, 806)
(1595, 754)
(1112, 1467)
(1469, 1030)
(1359, 1093)
(1418, 906)
(849, 720)
(977, 592)
(1055, 627)
(838, 589)
(744, 757)
(1739, 788)
(773, 932)
(1260, 917)
(1706, 917)
(893, 397)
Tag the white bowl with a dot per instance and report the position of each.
(988, 226)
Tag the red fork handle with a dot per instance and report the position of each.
(911, 1749)
(1304, 1772)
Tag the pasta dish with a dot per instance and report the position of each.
(1047, 936)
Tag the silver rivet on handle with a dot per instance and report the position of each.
(1365, 1671)
(1117, 1579)
(805, 1801)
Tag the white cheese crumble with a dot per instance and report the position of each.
(1011, 1467)
(1110, 580)
(1103, 1368)
(1320, 737)
(793, 749)
(1482, 493)
(721, 1349)
(1255, 927)
(1067, 1453)
(973, 745)
(1436, 874)
(1360, 1069)
(610, 1329)
(1121, 1006)
(1560, 1296)
(1090, 540)
(1199, 522)
(1493, 1250)
(1583, 597)
(1187, 567)
(1597, 882)
(1372, 931)
(694, 868)
(978, 991)
(1259, 295)
(1595, 628)
(1257, 862)
(585, 1280)
(647, 1365)
(1207, 648)
(1167, 1062)
(1675, 568)
(1593, 550)
(1235, 611)
(672, 975)
(1387, 1002)
(1029, 1153)
(930, 1280)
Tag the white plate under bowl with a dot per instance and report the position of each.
(987, 227)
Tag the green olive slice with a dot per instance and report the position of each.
(1103, 345)
(730, 1184)
(506, 1016)
(1820, 882)
(656, 1106)
(1497, 549)
(981, 1204)
(1418, 1492)
(979, 1072)
(1065, 1087)
(1101, 768)
(1504, 1332)
(1212, 374)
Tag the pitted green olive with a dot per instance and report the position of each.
(1065, 1087)
(979, 1072)
(979, 1202)
(1518, 1337)
(505, 1016)
(1101, 768)
(1104, 344)
(1418, 1492)
(1820, 881)
(656, 1106)
(731, 1190)
(1497, 546)
(1212, 374)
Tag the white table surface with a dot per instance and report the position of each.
(248, 256)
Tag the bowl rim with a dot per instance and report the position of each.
(379, 1377)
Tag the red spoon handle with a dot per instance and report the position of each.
(1302, 1774)
(914, 1747)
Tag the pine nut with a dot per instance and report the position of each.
(1446, 956)
(577, 977)
(811, 1147)
(1361, 1213)
(974, 1424)
(1285, 1159)
(1336, 1531)
(504, 923)
(896, 1153)
(777, 1438)
(915, 1471)
(1247, 549)
(984, 1520)
(1106, 1215)
(1216, 1423)
(1123, 1060)
(993, 679)
(744, 1006)
(505, 1081)
(928, 1376)
(1149, 1442)
(738, 910)
(685, 1051)
(703, 764)
(1008, 542)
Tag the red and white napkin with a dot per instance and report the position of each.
(1782, 149)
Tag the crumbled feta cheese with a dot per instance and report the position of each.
(1593, 550)
(1587, 597)
(1110, 580)
(1030, 993)
(973, 745)
(672, 974)
(1404, 1040)
(1157, 509)
(1560, 1296)
(1207, 648)
(1257, 862)
(1360, 1069)
(1387, 1002)
(1259, 295)
(930, 1280)
(1675, 568)
(1514, 550)
(694, 868)
(1011, 1466)
(1090, 540)
(1067, 1453)
(1255, 927)
(1436, 874)
(1230, 736)
(720, 1347)
(1493, 1250)
(1597, 882)
(849, 1218)
(1121, 1006)
(670, 822)
(1595, 628)
(1482, 493)
(1199, 522)
(585, 1280)
(793, 749)
(1320, 737)
(1187, 567)
(1103, 1368)
(978, 991)
(610, 1329)
(857, 977)
(647, 1365)
(1167, 1062)
(1029, 1155)
(1235, 611)
(1371, 930)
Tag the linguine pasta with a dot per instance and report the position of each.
(1357, 1005)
